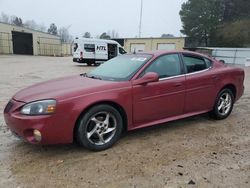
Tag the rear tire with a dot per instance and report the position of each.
(223, 105)
(99, 128)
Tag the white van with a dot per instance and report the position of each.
(94, 51)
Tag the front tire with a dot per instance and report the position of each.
(99, 128)
(223, 105)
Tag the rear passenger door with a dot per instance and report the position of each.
(200, 88)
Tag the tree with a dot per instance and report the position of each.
(64, 34)
(113, 34)
(17, 21)
(167, 36)
(216, 22)
(200, 19)
(31, 24)
(104, 36)
(41, 27)
(233, 34)
(52, 29)
(87, 35)
(234, 10)
(4, 18)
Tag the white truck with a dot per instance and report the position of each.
(94, 51)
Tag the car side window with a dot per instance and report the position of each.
(165, 66)
(208, 62)
(194, 63)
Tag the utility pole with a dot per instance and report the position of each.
(140, 19)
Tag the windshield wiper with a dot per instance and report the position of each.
(93, 77)
(83, 74)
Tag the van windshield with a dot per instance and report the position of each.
(121, 68)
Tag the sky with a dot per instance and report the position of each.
(98, 16)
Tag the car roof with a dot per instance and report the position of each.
(163, 52)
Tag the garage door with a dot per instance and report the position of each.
(137, 47)
(22, 43)
(166, 46)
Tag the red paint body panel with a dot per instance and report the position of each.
(144, 105)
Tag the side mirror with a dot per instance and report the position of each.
(222, 61)
(147, 78)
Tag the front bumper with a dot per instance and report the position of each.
(53, 128)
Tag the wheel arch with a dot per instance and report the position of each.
(232, 88)
(111, 103)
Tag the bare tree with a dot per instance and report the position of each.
(17, 21)
(41, 27)
(31, 24)
(114, 34)
(4, 18)
(63, 32)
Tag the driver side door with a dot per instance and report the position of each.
(165, 98)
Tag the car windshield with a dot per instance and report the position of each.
(121, 68)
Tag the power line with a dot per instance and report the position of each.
(140, 19)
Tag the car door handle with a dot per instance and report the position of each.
(215, 77)
(178, 85)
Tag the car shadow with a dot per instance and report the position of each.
(130, 136)
(169, 126)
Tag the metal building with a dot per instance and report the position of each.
(151, 44)
(21, 40)
(240, 56)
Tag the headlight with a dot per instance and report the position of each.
(39, 107)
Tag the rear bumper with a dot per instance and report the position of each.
(78, 60)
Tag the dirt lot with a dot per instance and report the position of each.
(210, 153)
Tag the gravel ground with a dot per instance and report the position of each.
(194, 152)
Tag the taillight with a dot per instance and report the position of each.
(81, 55)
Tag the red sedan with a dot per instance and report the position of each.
(126, 93)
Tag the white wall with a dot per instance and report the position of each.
(232, 55)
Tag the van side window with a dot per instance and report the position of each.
(165, 66)
(194, 64)
(122, 51)
(89, 47)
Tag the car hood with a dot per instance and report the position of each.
(64, 88)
